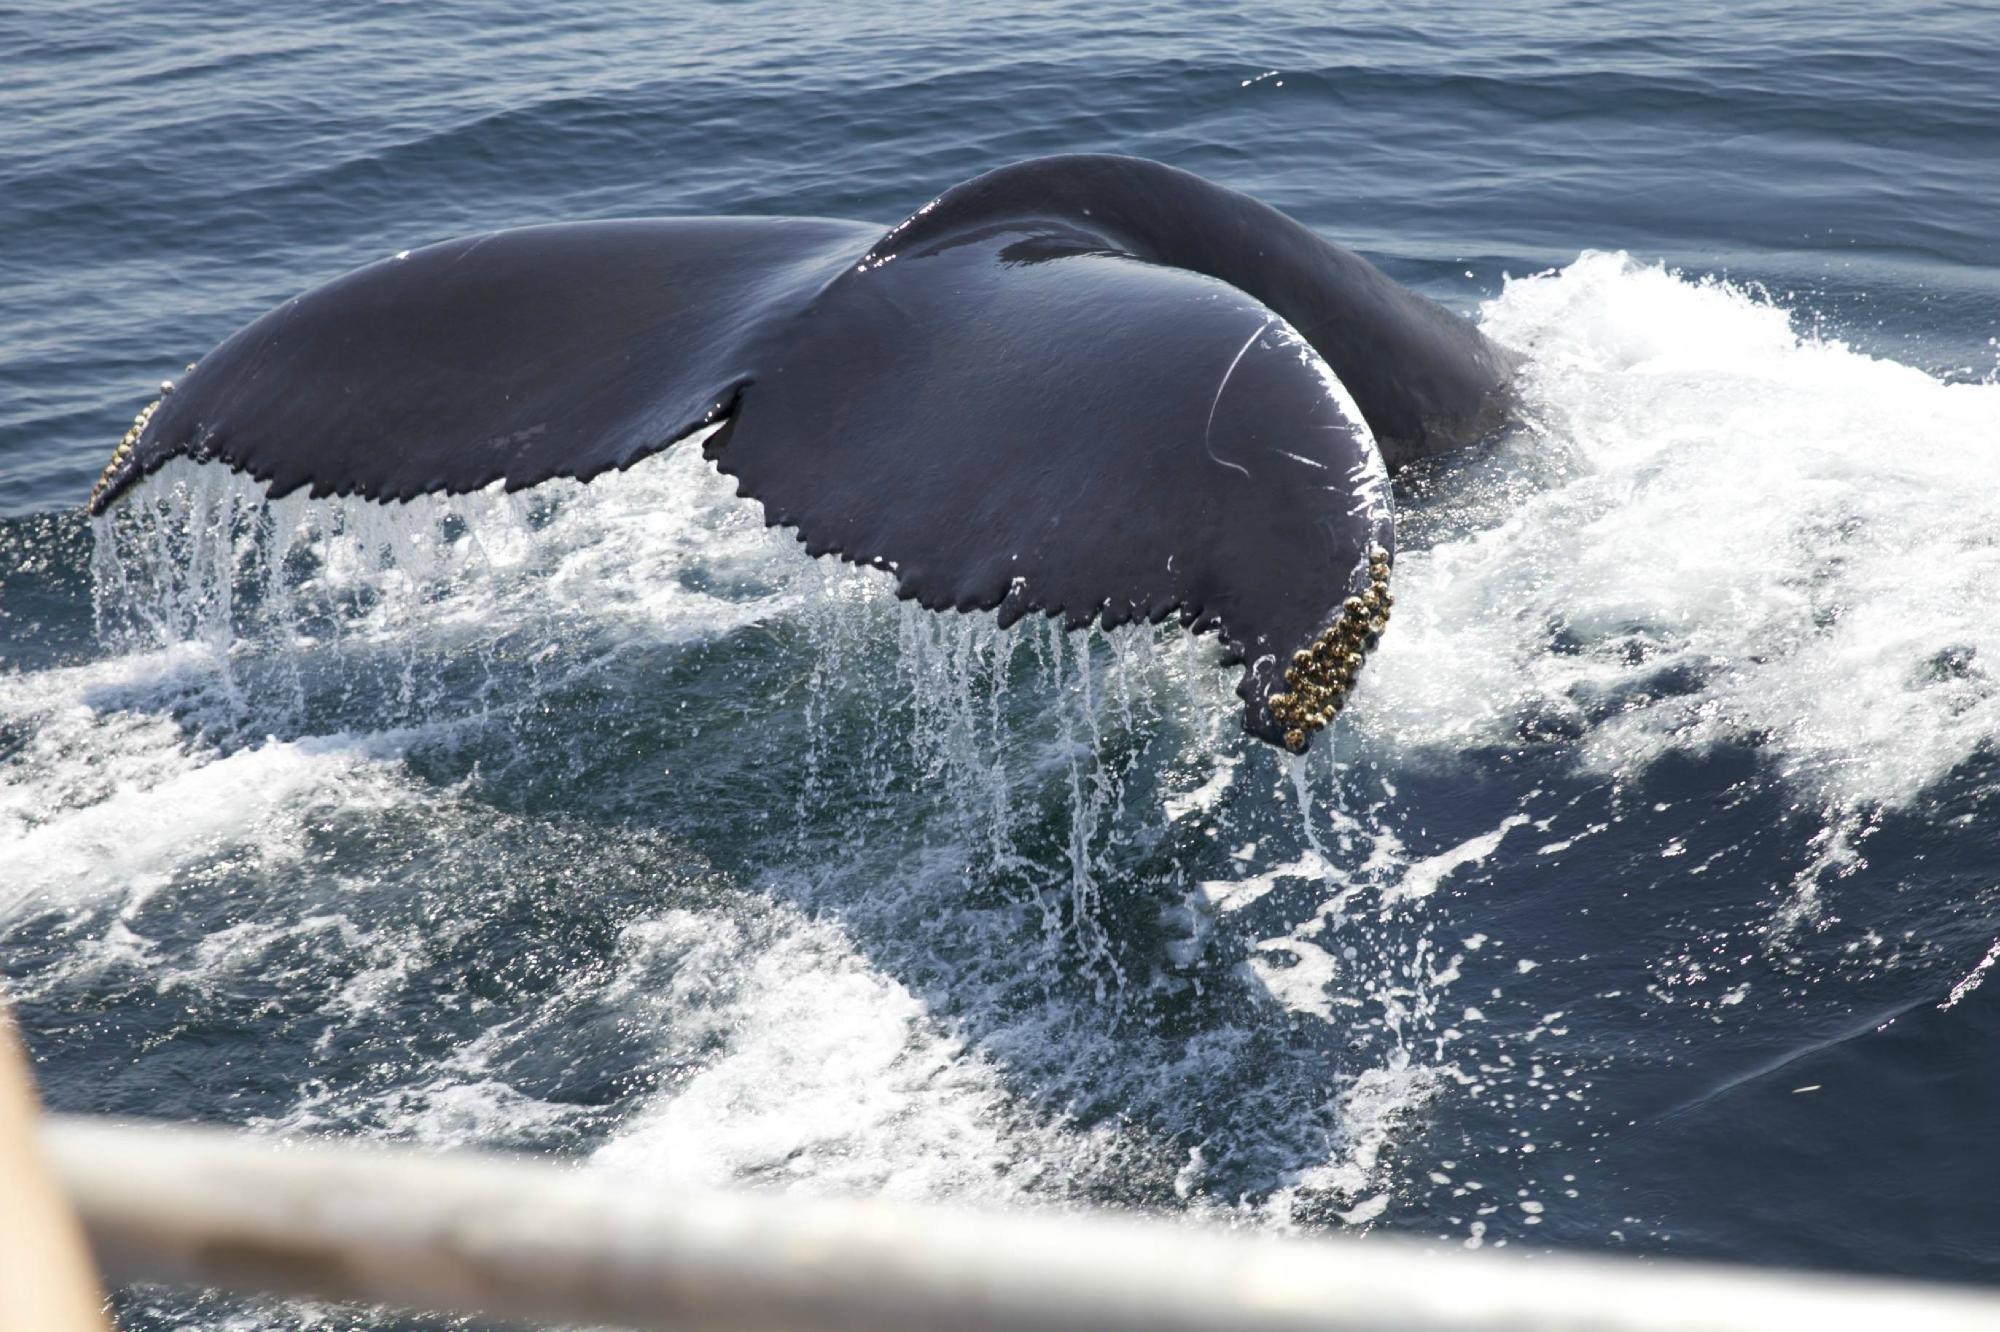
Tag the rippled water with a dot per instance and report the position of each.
(1643, 901)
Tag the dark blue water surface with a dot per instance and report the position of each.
(1643, 900)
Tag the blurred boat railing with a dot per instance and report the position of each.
(523, 1240)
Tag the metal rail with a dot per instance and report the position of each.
(519, 1239)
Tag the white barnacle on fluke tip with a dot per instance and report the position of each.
(1321, 675)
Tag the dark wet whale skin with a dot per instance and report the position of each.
(1070, 386)
(1426, 379)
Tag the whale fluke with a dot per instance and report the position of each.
(1090, 387)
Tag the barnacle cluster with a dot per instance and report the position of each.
(1320, 675)
(125, 445)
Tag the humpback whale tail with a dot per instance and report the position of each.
(1093, 387)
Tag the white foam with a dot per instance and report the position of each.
(829, 1076)
(1422, 878)
(1373, 1110)
(114, 804)
(1738, 531)
(1204, 798)
(1972, 980)
(1225, 896)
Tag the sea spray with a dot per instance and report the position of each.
(998, 823)
(313, 615)
(1725, 528)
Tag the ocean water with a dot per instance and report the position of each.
(1647, 900)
